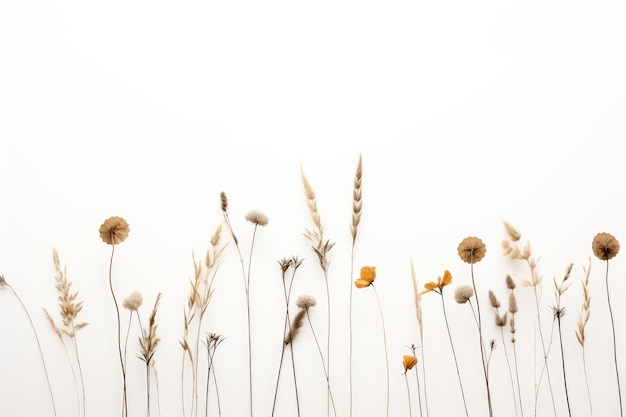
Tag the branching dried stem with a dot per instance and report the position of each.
(417, 299)
(583, 318)
(148, 343)
(514, 249)
(357, 205)
(69, 309)
(200, 294)
(320, 246)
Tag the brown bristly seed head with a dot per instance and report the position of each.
(356, 200)
(510, 284)
(493, 300)
(224, 201)
(284, 264)
(526, 252)
(294, 330)
(215, 238)
(308, 190)
(513, 233)
(512, 304)
(568, 271)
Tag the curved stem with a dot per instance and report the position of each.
(330, 394)
(45, 369)
(119, 331)
(408, 393)
(608, 299)
(456, 363)
(382, 319)
(482, 348)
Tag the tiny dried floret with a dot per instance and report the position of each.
(493, 300)
(2, 281)
(114, 230)
(306, 301)
(510, 284)
(133, 301)
(257, 217)
(513, 233)
(605, 246)
(472, 250)
(463, 293)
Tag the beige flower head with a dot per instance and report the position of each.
(133, 301)
(472, 250)
(306, 301)
(114, 230)
(605, 246)
(463, 293)
(257, 217)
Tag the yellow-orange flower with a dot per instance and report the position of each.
(441, 282)
(409, 362)
(368, 275)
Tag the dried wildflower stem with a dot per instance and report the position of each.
(608, 299)
(456, 363)
(417, 298)
(408, 394)
(482, 348)
(212, 342)
(356, 219)
(559, 312)
(148, 343)
(545, 355)
(285, 265)
(583, 318)
(569, 410)
(382, 319)
(30, 320)
(321, 249)
(330, 393)
(119, 332)
(417, 380)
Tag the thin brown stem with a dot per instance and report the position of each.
(608, 299)
(482, 349)
(382, 319)
(119, 332)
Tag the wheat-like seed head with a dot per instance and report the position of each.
(356, 200)
(585, 311)
(294, 330)
(417, 298)
(149, 340)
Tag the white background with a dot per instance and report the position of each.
(465, 113)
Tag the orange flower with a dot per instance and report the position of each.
(368, 275)
(409, 362)
(441, 282)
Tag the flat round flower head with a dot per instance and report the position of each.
(463, 293)
(257, 217)
(472, 250)
(368, 275)
(114, 230)
(306, 301)
(409, 362)
(133, 301)
(605, 246)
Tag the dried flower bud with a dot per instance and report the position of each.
(510, 284)
(605, 246)
(2, 281)
(472, 250)
(257, 217)
(493, 300)
(409, 362)
(513, 233)
(306, 301)
(527, 251)
(133, 301)
(463, 293)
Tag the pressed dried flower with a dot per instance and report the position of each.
(257, 217)
(513, 233)
(493, 300)
(441, 282)
(368, 275)
(409, 362)
(114, 230)
(463, 293)
(306, 301)
(472, 250)
(605, 246)
(133, 301)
